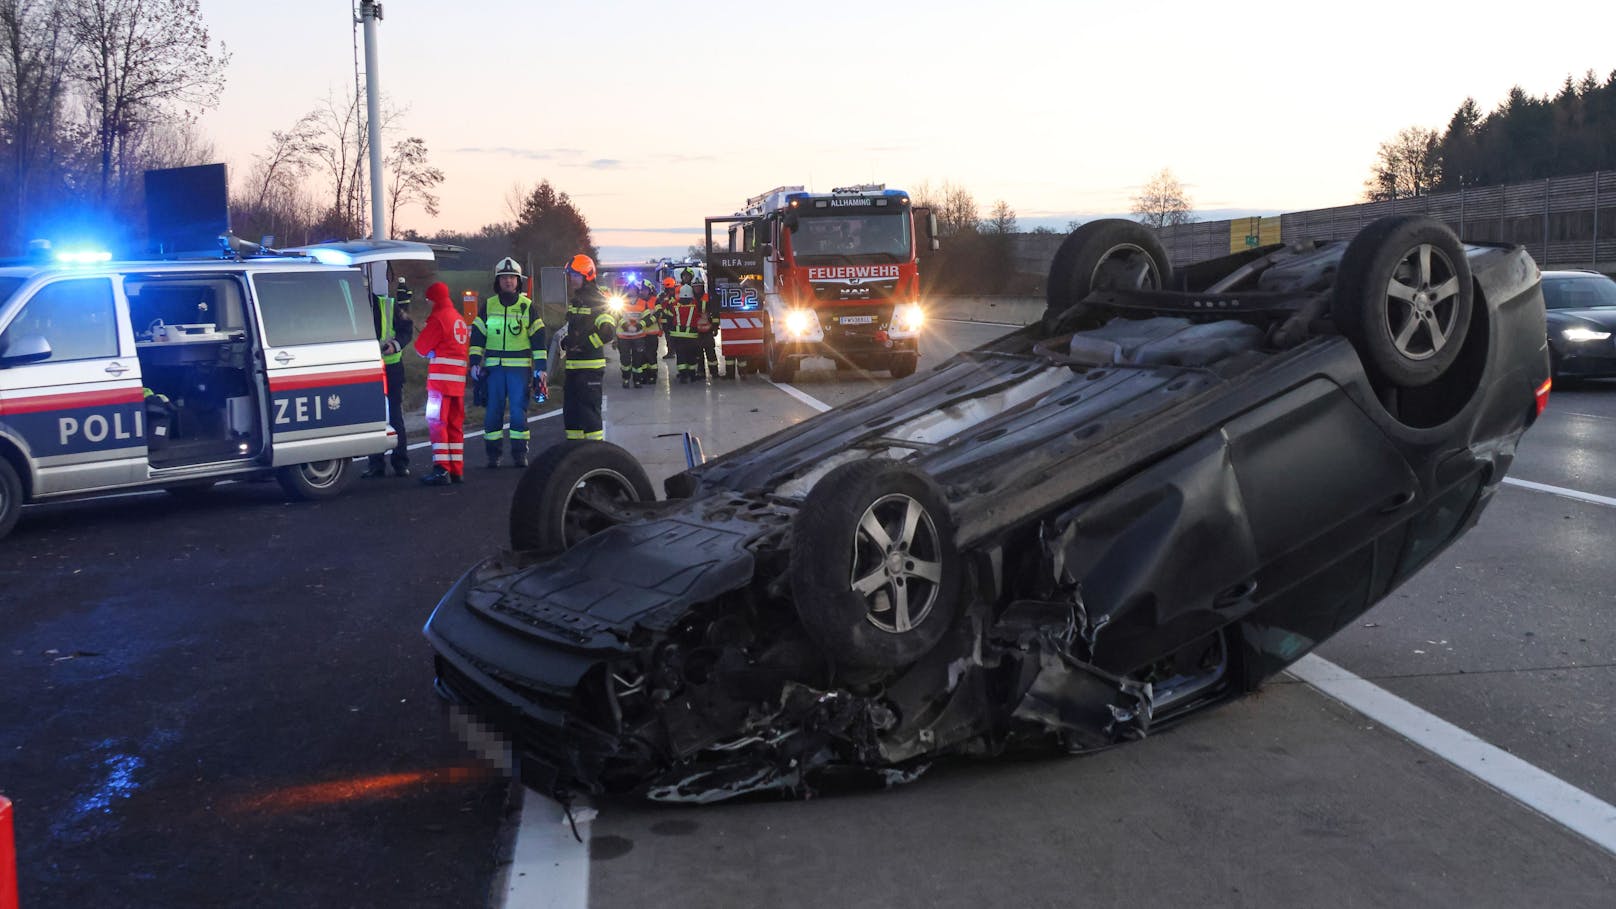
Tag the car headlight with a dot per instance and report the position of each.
(799, 322)
(1584, 334)
(908, 316)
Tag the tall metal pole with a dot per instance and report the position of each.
(370, 12)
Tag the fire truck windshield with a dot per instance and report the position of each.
(884, 237)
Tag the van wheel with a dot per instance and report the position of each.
(569, 492)
(10, 497)
(316, 479)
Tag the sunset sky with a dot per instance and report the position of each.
(652, 120)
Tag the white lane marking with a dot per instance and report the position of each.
(1556, 799)
(800, 395)
(549, 867)
(980, 322)
(1562, 491)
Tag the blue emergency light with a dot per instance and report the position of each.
(87, 257)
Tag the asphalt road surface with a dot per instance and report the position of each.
(228, 702)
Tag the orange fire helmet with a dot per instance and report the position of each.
(582, 265)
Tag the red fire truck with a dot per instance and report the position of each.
(800, 274)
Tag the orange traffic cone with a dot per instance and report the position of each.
(8, 858)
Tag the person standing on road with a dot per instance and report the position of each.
(707, 333)
(507, 351)
(682, 330)
(444, 342)
(632, 333)
(590, 327)
(394, 329)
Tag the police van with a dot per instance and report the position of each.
(178, 374)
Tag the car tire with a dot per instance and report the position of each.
(1108, 254)
(1404, 299)
(852, 590)
(316, 479)
(548, 513)
(10, 497)
(903, 365)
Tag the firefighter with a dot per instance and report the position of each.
(666, 299)
(443, 343)
(706, 333)
(683, 335)
(651, 346)
(633, 331)
(590, 327)
(507, 351)
(394, 329)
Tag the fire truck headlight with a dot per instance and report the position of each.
(799, 322)
(908, 316)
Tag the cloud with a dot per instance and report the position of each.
(670, 158)
(531, 154)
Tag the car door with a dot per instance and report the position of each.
(76, 411)
(321, 364)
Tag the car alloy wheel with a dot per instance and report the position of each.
(895, 567)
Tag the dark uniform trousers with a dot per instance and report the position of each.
(395, 418)
(580, 404)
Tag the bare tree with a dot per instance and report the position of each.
(1001, 220)
(287, 161)
(1409, 164)
(953, 204)
(137, 58)
(1163, 202)
(412, 179)
(36, 53)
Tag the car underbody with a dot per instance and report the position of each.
(1070, 538)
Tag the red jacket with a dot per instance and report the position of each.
(444, 339)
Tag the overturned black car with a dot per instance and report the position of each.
(1174, 486)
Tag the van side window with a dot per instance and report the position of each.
(313, 307)
(185, 300)
(78, 317)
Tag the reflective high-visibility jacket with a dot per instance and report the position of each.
(686, 312)
(510, 335)
(590, 327)
(444, 338)
(636, 318)
(389, 326)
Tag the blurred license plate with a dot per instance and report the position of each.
(857, 320)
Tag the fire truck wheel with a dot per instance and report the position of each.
(10, 497)
(571, 492)
(781, 368)
(903, 364)
(316, 479)
(874, 570)
(1108, 254)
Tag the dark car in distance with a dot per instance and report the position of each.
(1176, 484)
(1582, 324)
